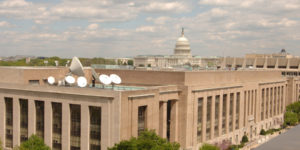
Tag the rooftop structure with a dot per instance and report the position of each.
(189, 107)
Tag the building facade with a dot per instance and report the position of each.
(189, 107)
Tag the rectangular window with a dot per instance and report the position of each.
(267, 103)
(23, 119)
(75, 126)
(56, 126)
(275, 101)
(199, 125)
(262, 104)
(39, 107)
(208, 117)
(95, 128)
(271, 102)
(217, 107)
(237, 116)
(245, 108)
(34, 82)
(224, 114)
(142, 113)
(278, 99)
(9, 122)
(231, 112)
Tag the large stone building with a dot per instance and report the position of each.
(182, 56)
(191, 108)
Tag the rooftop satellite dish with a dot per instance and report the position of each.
(51, 80)
(76, 67)
(105, 79)
(115, 79)
(70, 79)
(81, 81)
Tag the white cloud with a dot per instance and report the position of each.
(166, 6)
(93, 26)
(5, 24)
(145, 29)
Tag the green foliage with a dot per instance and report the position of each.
(130, 62)
(290, 118)
(148, 140)
(244, 139)
(88, 61)
(262, 132)
(1, 148)
(234, 147)
(209, 147)
(34, 143)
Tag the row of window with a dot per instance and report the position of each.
(75, 124)
(220, 104)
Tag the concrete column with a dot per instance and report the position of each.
(31, 117)
(85, 127)
(279, 100)
(174, 122)
(2, 119)
(48, 123)
(254, 63)
(288, 64)
(284, 98)
(220, 113)
(276, 64)
(212, 116)
(227, 113)
(66, 126)
(244, 63)
(204, 117)
(266, 63)
(163, 119)
(16, 121)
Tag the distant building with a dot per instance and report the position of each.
(281, 60)
(182, 56)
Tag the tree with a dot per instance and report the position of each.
(1, 148)
(244, 139)
(130, 62)
(34, 143)
(209, 147)
(262, 132)
(290, 118)
(148, 140)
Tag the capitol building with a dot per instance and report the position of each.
(182, 56)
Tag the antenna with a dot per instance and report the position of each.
(115, 79)
(81, 81)
(105, 79)
(51, 80)
(70, 79)
(76, 67)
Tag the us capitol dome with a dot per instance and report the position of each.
(181, 57)
(182, 47)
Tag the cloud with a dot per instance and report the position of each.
(93, 26)
(6, 24)
(166, 6)
(145, 29)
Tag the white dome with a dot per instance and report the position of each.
(182, 46)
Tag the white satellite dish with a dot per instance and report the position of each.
(81, 81)
(115, 79)
(105, 79)
(76, 67)
(70, 79)
(51, 80)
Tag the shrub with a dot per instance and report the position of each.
(290, 118)
(244, 139)
(33, 143)
(147, 140)
(209, 147)
(262, 132)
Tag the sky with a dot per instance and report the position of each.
(122, 28)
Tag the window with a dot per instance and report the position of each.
(231, 112)
(217, 107)
(56, 125)
(9, 122)
(75, 126)
(262, 104)
(142, 112)
(23, 119)
(199, 125)
(34, 82)
(237, 116)
(39, 107)
(224, 114)
(95, 128)
(208, 117)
